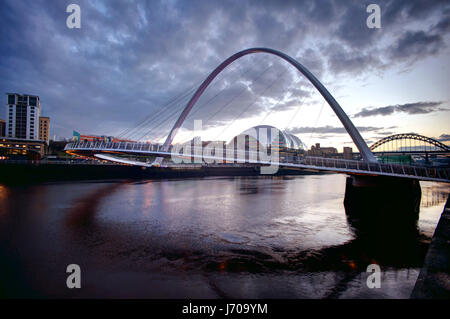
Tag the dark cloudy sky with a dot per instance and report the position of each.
(131, 57)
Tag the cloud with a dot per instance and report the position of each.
(385, 133)
(352, 29)
(409, 108)
(331, 129)
(444, 138)
(131, 57)
(443, 25)
(342, 60)
(416, 44)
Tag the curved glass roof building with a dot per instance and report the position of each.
(263, 134)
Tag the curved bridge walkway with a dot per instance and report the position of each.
(343, 166)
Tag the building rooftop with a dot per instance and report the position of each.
(23, 94)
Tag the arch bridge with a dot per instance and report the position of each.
(409, 143)
(342, 116)
(369, 165)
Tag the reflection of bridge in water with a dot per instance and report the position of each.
(369, 166)
(434, 194)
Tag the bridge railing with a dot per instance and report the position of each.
(399, 169)
(57, 162)
(246, 156)
(113, 146)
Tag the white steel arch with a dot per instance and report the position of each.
(364, 150)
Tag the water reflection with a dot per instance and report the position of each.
(85, 208)
(392, 240)
(270, 184)
(434, 194)
(213, 237)
(4, 192)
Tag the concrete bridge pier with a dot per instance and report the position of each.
(382, 206)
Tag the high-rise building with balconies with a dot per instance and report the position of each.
(22, 116)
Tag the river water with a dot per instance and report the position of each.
(239, 237)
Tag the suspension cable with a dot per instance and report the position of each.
(238, 95)
(298, 109)
(178, 99)
(150, 119)
(253, 102)
(317, 120)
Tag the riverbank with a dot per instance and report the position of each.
(434, 278)
(12, 174)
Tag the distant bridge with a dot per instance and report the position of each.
(409, 143)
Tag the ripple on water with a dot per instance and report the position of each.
(232, 238)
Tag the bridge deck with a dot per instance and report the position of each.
(439, 174)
